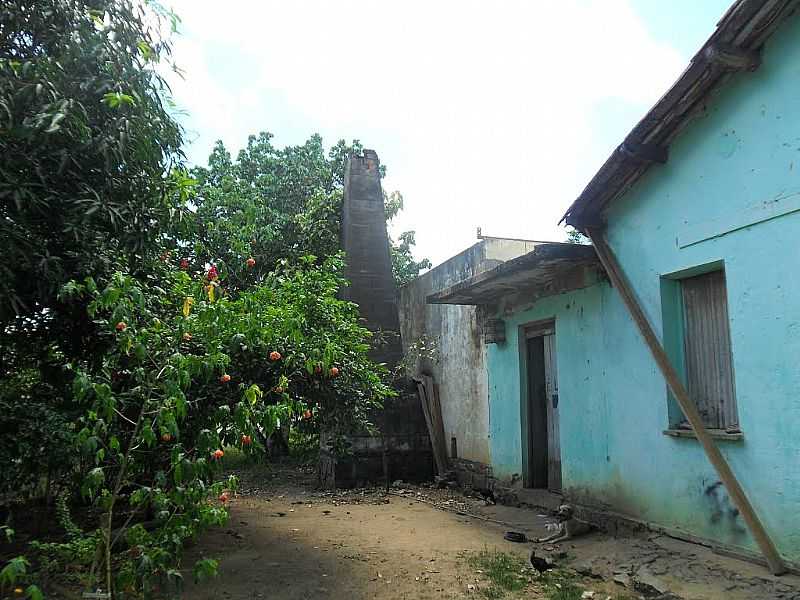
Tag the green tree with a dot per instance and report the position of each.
(273, 203)
(88, 184)
(404, 266)
(86, 142)
(269, 204)
(151, 319)
(190, 371)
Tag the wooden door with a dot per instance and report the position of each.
(553, 431)
(537, 471)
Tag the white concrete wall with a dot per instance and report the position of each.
(461, 368)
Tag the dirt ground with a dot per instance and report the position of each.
(287, 541)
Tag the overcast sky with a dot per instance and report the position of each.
(491, 114)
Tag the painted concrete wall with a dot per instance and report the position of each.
(730, 192)
(461, 367)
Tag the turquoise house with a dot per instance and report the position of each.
(701, 207)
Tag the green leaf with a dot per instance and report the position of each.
(205, 569)
(34, 593)
(118, 99)
(15, 567)
(54, 123)
(148, 435)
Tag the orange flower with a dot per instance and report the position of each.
(334, 372)
(225, 378)
(217, 454)
(251, 262)
(274, 355)
(122, 326)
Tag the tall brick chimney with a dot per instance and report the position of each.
(366, 244)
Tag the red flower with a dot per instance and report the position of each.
(334, 372)
(224, 497)
(247, 440)
(251, 262)
(225, 378)
(184, 263)
(122, 326)
(307, 415)
(212, 273)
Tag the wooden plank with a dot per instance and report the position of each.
(553, 427)
(425, 392)
(707, 343)
(735, 491)
(435, 409)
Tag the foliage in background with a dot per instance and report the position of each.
(89, 183)
(576, 237)
(420, 357)
(87, 144)
(151, 317)
(404, 266)
(274, 203)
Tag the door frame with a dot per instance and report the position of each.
(528, 330)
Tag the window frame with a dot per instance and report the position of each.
(674, 339)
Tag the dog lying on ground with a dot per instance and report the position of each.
(567, 527)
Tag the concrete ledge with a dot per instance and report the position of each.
(717, 434)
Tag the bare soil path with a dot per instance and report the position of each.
(286, 541)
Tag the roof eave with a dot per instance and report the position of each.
(734, 46)
(524, 272)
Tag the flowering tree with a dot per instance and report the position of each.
(190, 372)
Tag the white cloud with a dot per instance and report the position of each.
(482, 111)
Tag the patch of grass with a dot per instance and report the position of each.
(506, 572)
(570, 592)
(561, 585)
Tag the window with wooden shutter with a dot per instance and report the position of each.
(707, 349)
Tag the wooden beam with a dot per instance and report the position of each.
(646, 153)
(733, 58)
(735, 491)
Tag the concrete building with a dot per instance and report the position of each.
(694, 217)
(454, 352)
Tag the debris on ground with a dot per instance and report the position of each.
(516, 537)
(594, 567)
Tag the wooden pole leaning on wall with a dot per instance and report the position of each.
(735, 491)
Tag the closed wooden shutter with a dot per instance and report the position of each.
(707, 344)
